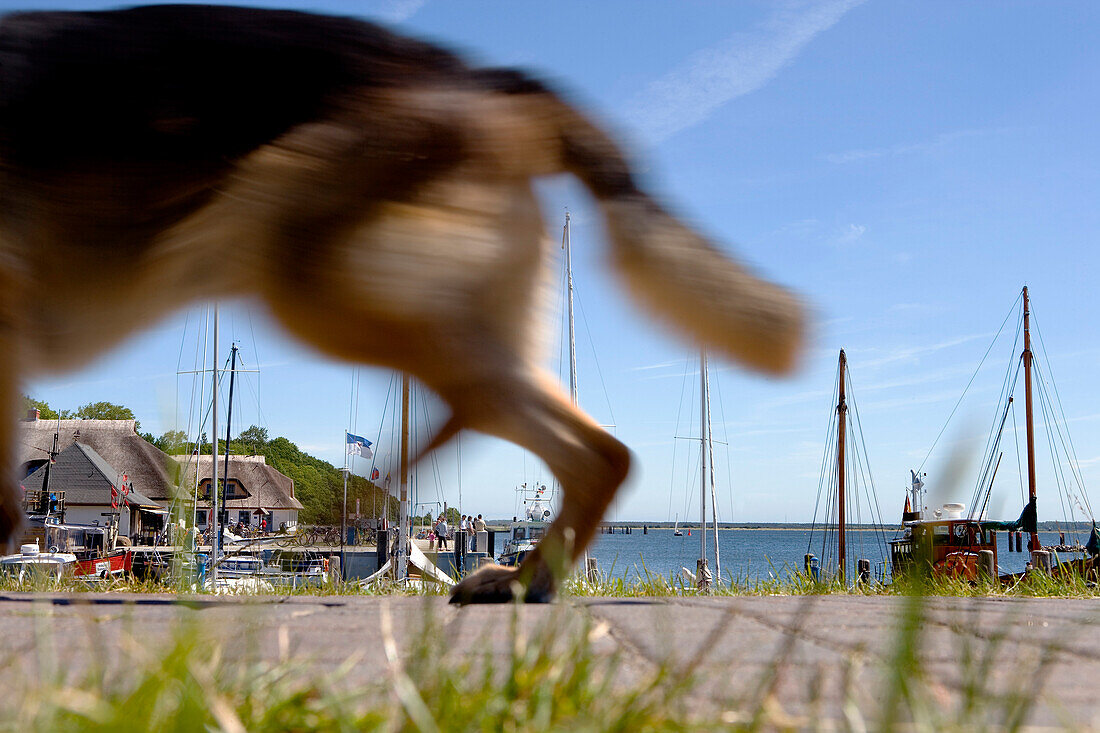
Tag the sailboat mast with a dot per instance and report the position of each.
(1030, 421)
(713, 492)
(842, 413)
(229, 421)
(216, 541)
(572, 335)
(403, 515)
(702, 579)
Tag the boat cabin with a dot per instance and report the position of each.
(527, 531)
(947, 545)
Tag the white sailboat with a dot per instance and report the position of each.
(702, 578)
(525, 533)
(406, 553)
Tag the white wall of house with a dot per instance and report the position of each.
(278, 516)
(93, 514)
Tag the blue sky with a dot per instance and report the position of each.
(905, 166)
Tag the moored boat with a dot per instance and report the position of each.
(31, 563)
(524, 534)
(956, 542)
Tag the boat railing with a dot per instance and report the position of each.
(39, 502)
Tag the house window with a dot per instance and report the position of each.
(243, 517)
(200, 516)
(233, 489)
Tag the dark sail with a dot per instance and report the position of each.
(1093, 546)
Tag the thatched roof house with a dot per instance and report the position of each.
(152, 471)
(254, 490)
(88, 480)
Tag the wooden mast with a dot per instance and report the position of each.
(842, 412)
(1030, 421)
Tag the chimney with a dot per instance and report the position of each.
(32, 415)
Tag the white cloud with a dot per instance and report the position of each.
(939, 141)
(678, 363)
(395, 11)
(913, 353)
(851, 233)
(739, 65)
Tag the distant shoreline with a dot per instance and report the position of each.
(499, 525)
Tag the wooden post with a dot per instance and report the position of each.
(1040, 559)
(592, 570)
(986, 564)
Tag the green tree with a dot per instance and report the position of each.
(45, 412)
(106, 411)
(317, 484)
(254, 437)
(173, 442)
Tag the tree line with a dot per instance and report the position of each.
(317, 484)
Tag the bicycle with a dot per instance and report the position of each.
(299, 536)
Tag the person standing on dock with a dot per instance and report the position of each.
(441, 532)
(479, 526)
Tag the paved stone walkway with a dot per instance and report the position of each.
(806, 657)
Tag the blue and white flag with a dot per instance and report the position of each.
(359, 446)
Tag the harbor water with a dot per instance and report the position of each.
(750, 555)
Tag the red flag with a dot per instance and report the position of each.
(908, 507)
(374, 474)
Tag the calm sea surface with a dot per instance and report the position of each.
(753, 554)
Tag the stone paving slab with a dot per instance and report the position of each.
(809, 655)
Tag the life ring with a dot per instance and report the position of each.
(960, 565)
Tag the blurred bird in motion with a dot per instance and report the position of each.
(373, 190)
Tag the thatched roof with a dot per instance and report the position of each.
(85, 477)
(151, 470)
(267, 487)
